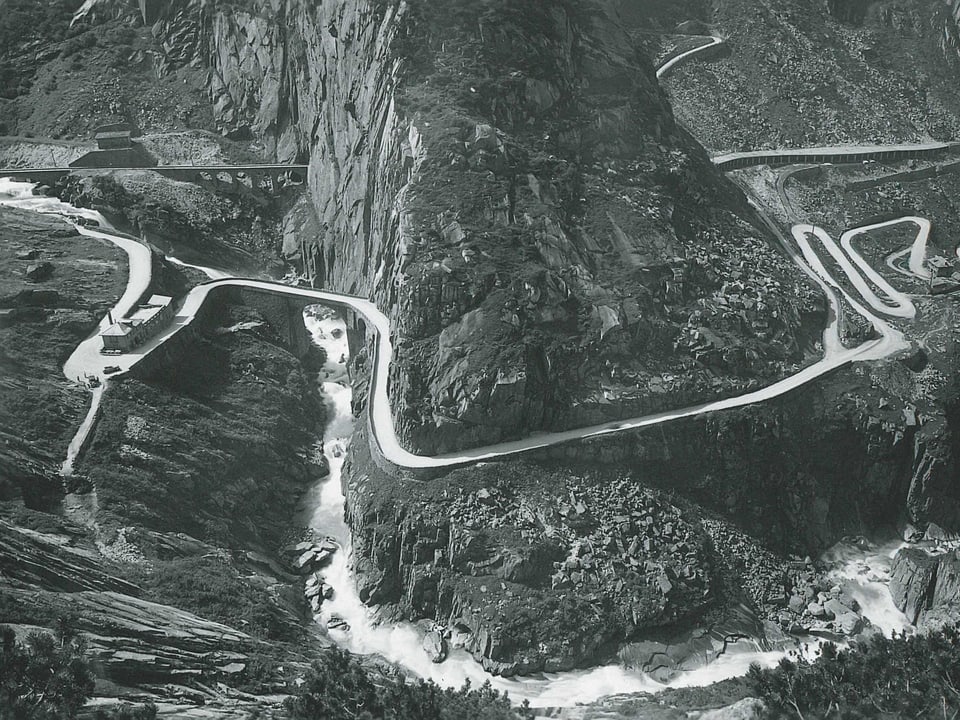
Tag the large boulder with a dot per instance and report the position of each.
(38, 272)
(435, 645)
(946, 591)
(912, 579)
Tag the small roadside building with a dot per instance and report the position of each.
(113, 140)
(129, 332)
(117, 339)
(940, 266)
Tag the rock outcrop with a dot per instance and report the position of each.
(925, 584)
(52, 561)
(552, 565)
(165, 559)
(135, 642)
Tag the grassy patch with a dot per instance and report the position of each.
(214, 446)
(214, 590)
(39, 408)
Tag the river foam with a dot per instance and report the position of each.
(862, 568)
(401, 643)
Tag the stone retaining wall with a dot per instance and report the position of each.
(905, 176)
(738, 161)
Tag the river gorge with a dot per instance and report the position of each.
(506, 345)
(860, 568)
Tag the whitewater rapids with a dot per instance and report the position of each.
(401, 643)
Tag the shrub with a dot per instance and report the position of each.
(71, 47)
(119, 35)
(120, 55)
(43, 677)
(340, 688)
(214, 590)
(902, 676)
(49, 677)
(24, 21)
(26, 25)
(128, 712)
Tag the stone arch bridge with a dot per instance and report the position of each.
(283, 311)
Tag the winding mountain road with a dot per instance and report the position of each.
(890, 340)
(713, 41)
(899, 305)
(86, 361)
(917, 251)
(380, 415)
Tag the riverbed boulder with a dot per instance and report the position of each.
(849, 623)
(912, 578)
(337, 623)
(38, 272)
(315, 557)
(746, 709)
(435, 645)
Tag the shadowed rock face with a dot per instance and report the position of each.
(912, 580)
(853, 11)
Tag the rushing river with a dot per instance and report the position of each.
(861, 567)
(401, 643)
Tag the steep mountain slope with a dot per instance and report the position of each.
(164, 546)
(42, 321)
(60, 78)
(803, 72)
(509, 181)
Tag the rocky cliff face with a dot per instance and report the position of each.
(794, 475)
(509, 183)
(532, 569)
(166, 555)
(808, 72)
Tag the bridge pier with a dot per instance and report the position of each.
(356, 331)
(275, 181)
